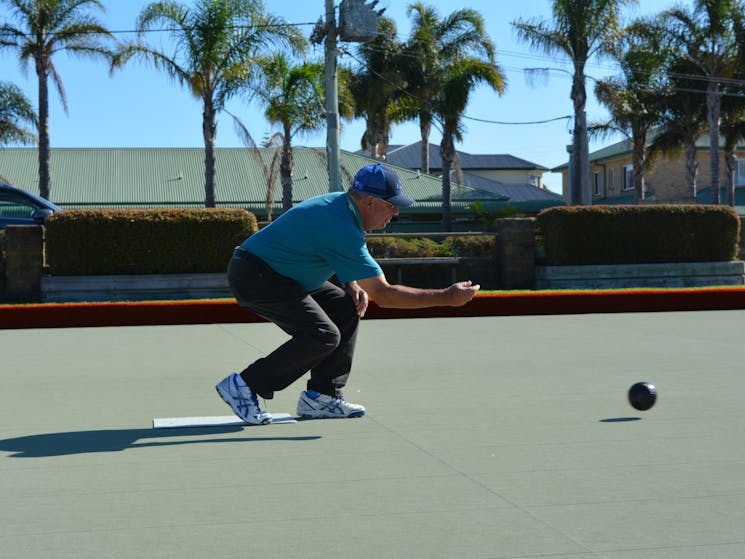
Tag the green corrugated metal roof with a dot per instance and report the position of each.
(132, 177)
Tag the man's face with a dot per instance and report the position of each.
(379, 213)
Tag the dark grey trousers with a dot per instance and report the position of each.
(322, 325)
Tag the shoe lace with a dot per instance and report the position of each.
(255, 402)
(340, 402)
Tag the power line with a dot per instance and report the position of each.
(488, 121)
(164, 29)
(565, 117)
(724, 81)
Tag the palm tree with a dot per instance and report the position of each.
(269, 169)
(45, 28)
(459, 81)
(434, 46)
(375, 85)
(15, 114)
(634, 99)
(706, 39)
(733, 131)
(217, 43)
(294, 98)
(683, 120)
(581, 29)
(733, 107)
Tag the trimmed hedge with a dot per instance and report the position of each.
(638, 234)
(423, 247)
(478, 246)
(151, 241)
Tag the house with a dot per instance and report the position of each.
(174, 177)
(611, 177)
(517, 181)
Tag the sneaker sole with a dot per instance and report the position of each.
(267, 421)
(321, 415)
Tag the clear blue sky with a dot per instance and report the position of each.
(141, 107)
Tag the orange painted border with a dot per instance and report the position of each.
(76, 315)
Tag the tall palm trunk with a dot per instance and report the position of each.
(380, 135)
(375, 137)
(425, 127)
(713, 105)
(639, 140)
(730, 160)
(691, 169)
(447, 153)
(42, 72)
(285, 169)
(581, 163)
(209, 131)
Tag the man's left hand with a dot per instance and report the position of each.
(359, 296)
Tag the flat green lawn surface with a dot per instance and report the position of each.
(494, 437)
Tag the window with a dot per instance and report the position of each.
(12, 205)
(740, 173)
(628, 177)
(596, 184)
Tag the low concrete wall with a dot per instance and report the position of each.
(433, 273)
(152, 287)
(690, 274)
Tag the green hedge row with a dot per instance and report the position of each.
(638, 234)
(153, 241)
(424, 247)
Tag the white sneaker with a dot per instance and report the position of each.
(312, 404)
(242, 400)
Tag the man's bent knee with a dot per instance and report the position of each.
(328, 338)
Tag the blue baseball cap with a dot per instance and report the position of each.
(381, 182)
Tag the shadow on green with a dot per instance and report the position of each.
(117, 440)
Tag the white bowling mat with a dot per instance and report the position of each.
(213, 421)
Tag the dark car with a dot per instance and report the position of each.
(18, 207)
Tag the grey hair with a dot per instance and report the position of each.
(357, 194)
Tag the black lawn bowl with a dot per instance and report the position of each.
(642, 396)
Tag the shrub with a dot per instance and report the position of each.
(424, 247)
(471, 245)
(156, 241)
(405, 247)
(638, 234)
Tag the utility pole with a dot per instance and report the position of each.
(357, 24)
(332, 101)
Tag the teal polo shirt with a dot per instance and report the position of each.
(314, 240)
